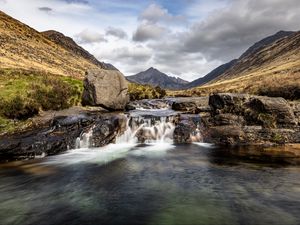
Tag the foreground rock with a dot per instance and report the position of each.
(190, 104)
(240, 119)
(56, 133)
(105, 88)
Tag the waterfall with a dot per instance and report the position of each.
(148, 130)
(152, 124)
(83, 141)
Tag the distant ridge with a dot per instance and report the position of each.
(154, 77)
(235, 63)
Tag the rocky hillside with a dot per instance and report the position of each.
(270, 67)
(154, 77)
(281, 54)
(70, 45)
(265, 42)
(251, 51)
(22, 47)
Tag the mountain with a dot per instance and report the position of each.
(271, 69)
(275, 51)
(253, 50)
(264, 42)
(22, 47)
(70, 45)
(154, 77)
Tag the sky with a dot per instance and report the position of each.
(184, 38)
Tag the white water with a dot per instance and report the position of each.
(148, 133)
(148, 130)
(84, 140)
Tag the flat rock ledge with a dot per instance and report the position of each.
(241, 119)
(55, 133)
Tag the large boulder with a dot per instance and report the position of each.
(105, 88)
(279, 108)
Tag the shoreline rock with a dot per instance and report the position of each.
(59, 133)
(242, 119)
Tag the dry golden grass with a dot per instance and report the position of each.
(24, 48)
(278, 69)
(254, 83)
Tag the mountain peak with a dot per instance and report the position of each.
(152, 69)
(154, 77)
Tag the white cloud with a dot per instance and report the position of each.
(148, 31)
(226, 33)
(116, 32)
(88, 37)
(155, 13)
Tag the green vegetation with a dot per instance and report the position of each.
(24, 93)
(138, 91)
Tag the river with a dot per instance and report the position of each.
(156, 182)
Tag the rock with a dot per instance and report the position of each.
(190, 104)
(228, 119)
(257, 110)
(185, 106)
(227, 102)
(186, 128)
(130, 106)
(225, 135)
(60, 134)
(105, 88)
(239, 119)
(296, 109)
(277, 107)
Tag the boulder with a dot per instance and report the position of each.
(190, 104)
(105, 88)
(227, 102)
(277, 107)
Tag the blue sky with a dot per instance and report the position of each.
(186, 38)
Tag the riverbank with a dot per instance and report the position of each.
(221, 119)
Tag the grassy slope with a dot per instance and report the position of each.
(36, 73)
(275, 68)
(24, 83)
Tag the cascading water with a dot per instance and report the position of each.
(83, 141)
(148, 126)
(148, 130)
